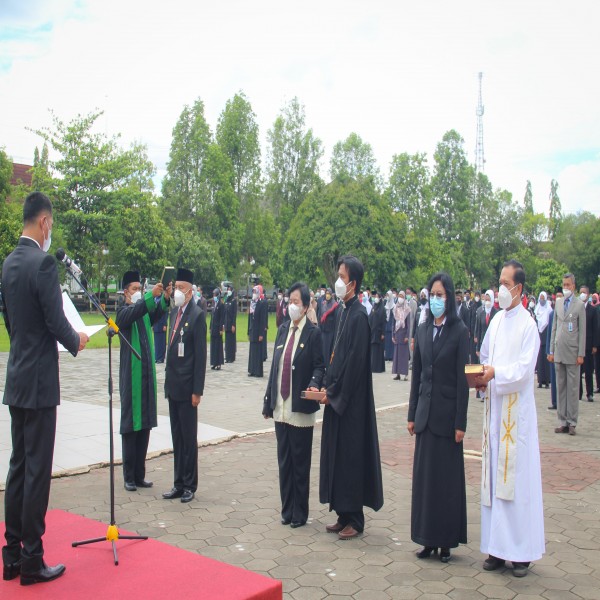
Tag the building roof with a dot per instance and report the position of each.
(21, 174)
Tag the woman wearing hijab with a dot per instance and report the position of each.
(217, 325)
(377, 324)
(542, 316)
(437, 414)
(311, 314)
(257, 331)
(230, 325)
(482, 321)
(390, 304)
(402, 327)
(327, 324)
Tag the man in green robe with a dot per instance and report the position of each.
(137, 378)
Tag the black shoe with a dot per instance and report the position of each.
(445, 555)
(187, 496)
(397, 378)
(130, 487)
(144, 484)
(590, 398)
(285, 521)
(426, 552)
(43, 575)
(492, 563)
(520, 569)
(160, 362)
(174, 493)
(547, 386)
(539, 386)
(212, 368)
(552, 407)
(296, 524)
(11, 571)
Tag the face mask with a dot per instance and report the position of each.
(583, 297)
(505, 297)
(255, 297)
(401, 301)
(567, 293)
(279, 297)
(229, 293)
(179, 298)
(477, 298)
(340, 288)
(408, 297)
(532, 305)
(423, 301)
(295, 312)
(394, 296)
(376, 300)
(286, 299)
(47, 242)
(216, 298)
(542, 302)
(488, 304)
(437, 306)
(135, 297)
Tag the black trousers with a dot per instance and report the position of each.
(543, 366)
(160, 345)
(587, 373)
(135, 448)
(184, 430)
(294, 453)
(28, 485)
(356, 519)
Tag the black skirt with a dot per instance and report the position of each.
(255, 360)
(439, 498)
(230, 346)
(377, 358)
(216, 350)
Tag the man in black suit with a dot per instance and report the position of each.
(35, 321)
(591, 345)
(184, 384)
(297, 365)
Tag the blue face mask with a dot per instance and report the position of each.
(437, 306)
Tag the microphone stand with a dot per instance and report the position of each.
(112, 533)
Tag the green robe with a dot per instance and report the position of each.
(137, 378)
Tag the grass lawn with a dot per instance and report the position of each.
(100, 340)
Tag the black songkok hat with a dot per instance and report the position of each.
(131, 277)
(185, 275)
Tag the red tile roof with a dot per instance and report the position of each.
(21, 173)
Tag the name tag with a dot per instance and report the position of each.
(570, 327)
(180, 350)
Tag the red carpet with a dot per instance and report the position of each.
(147, 569)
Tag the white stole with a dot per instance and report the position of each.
(507, 448)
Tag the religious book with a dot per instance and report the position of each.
(310, 395)
(472, 372)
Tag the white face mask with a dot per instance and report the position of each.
(401, 301)
(137, 296)
(376, 300)
(477, 298)
(340, 288)
(47, 242)
(567, 293)
(532, 305)
(286, 299)
(179, 298)
(255, 297)
(505, 298)
(583, 297)
(295, 312)
(279, 297)
(488, 304)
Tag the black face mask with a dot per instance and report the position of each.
(423, 301)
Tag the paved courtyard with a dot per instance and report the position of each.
(235, 516)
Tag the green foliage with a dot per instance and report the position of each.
(199, 255)
(555, 213)
(11, 225)
(354, 158)
(6, 171)
(528, 200)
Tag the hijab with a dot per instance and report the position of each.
(365, 302)
(389, 305)
(542, 313)
(595, 299)
(489, 293)
(401, 312)
(424, 307)
(257, 289)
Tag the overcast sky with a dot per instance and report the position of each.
(398, 73)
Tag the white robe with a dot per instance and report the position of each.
(514, 530)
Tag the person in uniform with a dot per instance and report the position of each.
(230, 326)
(217, 326)
(257, 332)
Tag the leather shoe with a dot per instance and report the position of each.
(130, 487)
(285, 521)
(174, 493)
(491, 563)
(144, 484)
(571, 429)
(335, 527)
(11, 571)
(520, 569)
(348, 533)
(43, 575)
(552, 407)
(590, 398)
(564, 429)
(187, 496)
(445, 555)
(426, 552)
(296, 524)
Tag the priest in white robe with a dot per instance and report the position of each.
(512, 512)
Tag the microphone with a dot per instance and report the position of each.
(70, 264)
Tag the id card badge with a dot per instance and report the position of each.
(570, 327)
(180, 347)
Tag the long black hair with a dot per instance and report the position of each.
(446, 280)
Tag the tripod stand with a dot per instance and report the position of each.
(112, 533)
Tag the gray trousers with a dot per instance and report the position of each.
(567, 392)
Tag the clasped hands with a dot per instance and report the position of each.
(458, 434)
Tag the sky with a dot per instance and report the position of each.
(399, 73)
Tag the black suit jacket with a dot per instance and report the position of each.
(480, 325)
(591, 327)
(185, 375)
(439, 393)
(35, 321)
(258, 321)
(307, 366)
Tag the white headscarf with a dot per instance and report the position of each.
(489, 293)
(424, 307)
(401, 312)
(366, 303)
(389, 305)
(542, 313)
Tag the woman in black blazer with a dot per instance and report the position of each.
(297, 365)
(437, 414)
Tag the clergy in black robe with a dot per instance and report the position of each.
(350, 474)
(137, 378)
(217, 325)
(257, 332)
(437, 414)
(377, 324)
(230, 326)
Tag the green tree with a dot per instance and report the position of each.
(200, 255)
(6, 172)
(528, 200)
(293, 158)
(11, 222)
(354, 158)
(555, 213)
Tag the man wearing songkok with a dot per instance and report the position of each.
(512, 511)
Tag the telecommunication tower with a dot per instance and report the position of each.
(479, 159)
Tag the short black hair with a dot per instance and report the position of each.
(446, 280)
(519, 276)
(35, 204)
(587, 287)
(355, 269)
(304, 292)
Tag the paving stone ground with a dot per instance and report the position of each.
(235, 516)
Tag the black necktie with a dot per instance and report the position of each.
(438, 332)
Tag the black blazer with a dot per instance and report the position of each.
(591, 327)
(377, 324)
(480, 325)
(308, 367)
(439, 393)
(258, 321)
(185, 376)
(34, 320)
(230, 314)
(217, 319)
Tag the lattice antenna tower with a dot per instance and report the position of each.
(479, 158)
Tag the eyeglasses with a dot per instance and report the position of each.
(439, 295)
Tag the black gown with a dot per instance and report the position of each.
(377, 324)
(257, 326)
(230, 336)
(350, 474)
(327, 327)
(217, 321)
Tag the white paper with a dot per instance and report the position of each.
(76, 321)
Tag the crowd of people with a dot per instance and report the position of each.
(328, 345)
